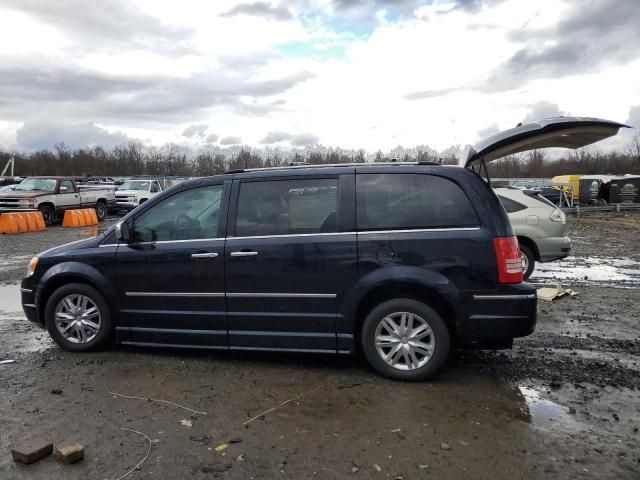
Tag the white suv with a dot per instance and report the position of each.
(540, 226)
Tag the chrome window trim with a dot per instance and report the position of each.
(505, 297)
(164, 241)
(280, 295)
(319, 234)
(174, 294)
(322, 234)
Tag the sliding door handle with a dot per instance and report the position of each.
(244, 253)
(200, 256)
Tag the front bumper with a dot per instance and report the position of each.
(495, 318)
(29, 293)
(553, 248)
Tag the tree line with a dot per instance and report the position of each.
(171, 159)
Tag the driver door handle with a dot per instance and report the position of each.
(199, 256)
(244, 253)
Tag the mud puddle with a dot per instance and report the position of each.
(10, 299)
(620, 272)
(17, 333)
(547, 414)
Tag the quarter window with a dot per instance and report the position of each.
(187, 215)
(409, 201)
(283, 207)
(511, 206)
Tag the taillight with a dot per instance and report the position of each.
(509, 260)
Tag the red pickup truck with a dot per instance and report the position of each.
(54, 195)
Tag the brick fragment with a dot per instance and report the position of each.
(31, 452)
(69, 453)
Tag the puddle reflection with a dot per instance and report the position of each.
(610, 271)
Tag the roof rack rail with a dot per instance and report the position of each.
(327, 165)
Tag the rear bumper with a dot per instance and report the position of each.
(554, 248)
(494, 319)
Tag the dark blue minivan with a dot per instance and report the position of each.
(396, 260)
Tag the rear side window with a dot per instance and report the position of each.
(511, 206)
(408, 201)
(287, 207)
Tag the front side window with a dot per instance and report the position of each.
(410, 201)
(287, 207)
(155, 188)
(187, 215)
(66, 186)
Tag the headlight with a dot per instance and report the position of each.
(26, 203)
(32, 266)
(558, 216)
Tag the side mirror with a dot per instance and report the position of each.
(123, 233)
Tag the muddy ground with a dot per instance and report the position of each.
(564, 403)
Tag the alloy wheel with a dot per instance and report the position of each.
(404, 340)
(77, 318)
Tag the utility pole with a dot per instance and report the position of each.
(11, 162)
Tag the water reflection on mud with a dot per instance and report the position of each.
(606, 271)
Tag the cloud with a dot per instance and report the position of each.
(296, 140)
(41, 134)
(29, 88)
(193, 131)
(275, 137)
(488, 131)
(430, 93)
(260, 9)
(590, 35)
(304, 139)
(634, 117)
(211, 138)
(542, 110)
(113, 24)
(231, 141)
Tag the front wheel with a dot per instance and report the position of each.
(404, 339)
(77, 318)
(528, 261)
(48, 214)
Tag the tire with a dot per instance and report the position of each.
(394, 309)
(101, 210)
(528, 261)
(48, 214)
(94, 338)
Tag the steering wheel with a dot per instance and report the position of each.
(183, 222)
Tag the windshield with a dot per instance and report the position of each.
(135, 185)
(29, 184)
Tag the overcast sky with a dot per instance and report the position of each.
(356, 74)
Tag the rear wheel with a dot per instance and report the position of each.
(404, 339)
(77, 318)
(48, 214)
(101, 210)
(528, 261)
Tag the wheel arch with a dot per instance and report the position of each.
(426, 287)
(73, 272)
(530, 244)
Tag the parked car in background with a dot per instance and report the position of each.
(541, 227)
(54, 195)
(395, 260)
(135, 192)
